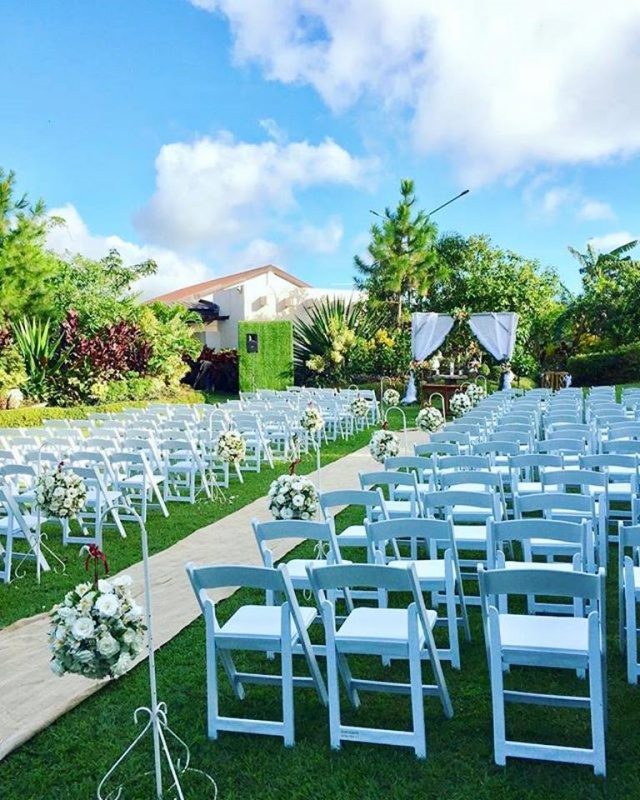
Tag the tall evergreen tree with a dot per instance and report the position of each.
(25, 264)
(403, 262)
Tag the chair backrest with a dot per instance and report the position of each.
(454, 463)
(555, 504)
(271, 530)
(423, 466)
(389, 479)
(436, 448)
(446, 502)
(471, 477)
(621, 446)
(503, 533)
(434, 533)
(533, 581)
(369, 499)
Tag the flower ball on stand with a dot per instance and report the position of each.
(429, 419)
(384, 444)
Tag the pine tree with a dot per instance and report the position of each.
(403, 262)
(25, 264)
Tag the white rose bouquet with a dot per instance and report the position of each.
(231, 447)
(429, 419)
(460, 404)
(475, 393)
(292, 497)
(312, 419)
(391, 397)
(359, 407)
(384, 444)
(97, 630)
(60, 492)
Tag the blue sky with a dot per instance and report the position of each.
(219, 135)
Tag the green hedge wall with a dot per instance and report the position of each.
(32, 416)
(615, 366)
(272, 366)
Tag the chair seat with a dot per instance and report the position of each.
(466, 534)
(251, 622)
(395, 508)
(353, 536)
(562, 566)
(427, 569)
(380, 627)
(139, 480)
(544, 634)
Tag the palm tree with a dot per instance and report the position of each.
(595, 265)
(403, 258)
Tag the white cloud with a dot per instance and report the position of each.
(611, 240)
(595, 210)
(498, 86)
(325, 240)
(174, 270)
(257, 253)
(219, 192)
(557, 198)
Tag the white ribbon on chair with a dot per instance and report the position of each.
(496, 332)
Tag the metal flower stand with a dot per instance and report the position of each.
(156, 726)
(397, 410)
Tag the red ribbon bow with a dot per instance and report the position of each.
(97, 555)
(293, 465)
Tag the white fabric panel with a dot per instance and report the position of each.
(496, 332)
(411, 392)
(428, 331)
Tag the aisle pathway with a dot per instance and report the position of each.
(32, 697)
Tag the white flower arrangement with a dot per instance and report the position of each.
(391, 397)
(429, 419)
(384, 444)
(475, 393)
(97, 630)
(359, 407)
(292, 497)
(60, 492)
(231, 447)
(312, 419)
(459, 404)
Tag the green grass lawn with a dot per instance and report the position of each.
(66, 761)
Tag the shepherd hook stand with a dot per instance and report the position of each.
(157, 712)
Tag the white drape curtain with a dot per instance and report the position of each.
(428, 332)
(496, 332)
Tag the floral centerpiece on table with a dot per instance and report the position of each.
(60, 492)
(429, 419)
(391, 397)
(312, 419)
(231, 447)
(475, 393)
(460, 404)
(384, 444)
(98, 628)
(292, 497)
(359, 407)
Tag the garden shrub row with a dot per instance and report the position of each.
(33, 416)
(621, 365)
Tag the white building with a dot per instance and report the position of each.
(264, 293)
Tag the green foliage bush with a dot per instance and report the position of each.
(32, 416)
(621, 365)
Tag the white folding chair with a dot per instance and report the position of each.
(440, 577)
(262, 628)
(546, 641)
(629, 595)
(397, 633)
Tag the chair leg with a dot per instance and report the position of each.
(287, 691)
(417, 700)
(334, 695)
(597, 703)
(212, 682)
(497, 693)
(630, 624)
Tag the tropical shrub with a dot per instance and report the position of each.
(323, 344)
(169, 331)
(38, 346)
(215, 370)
